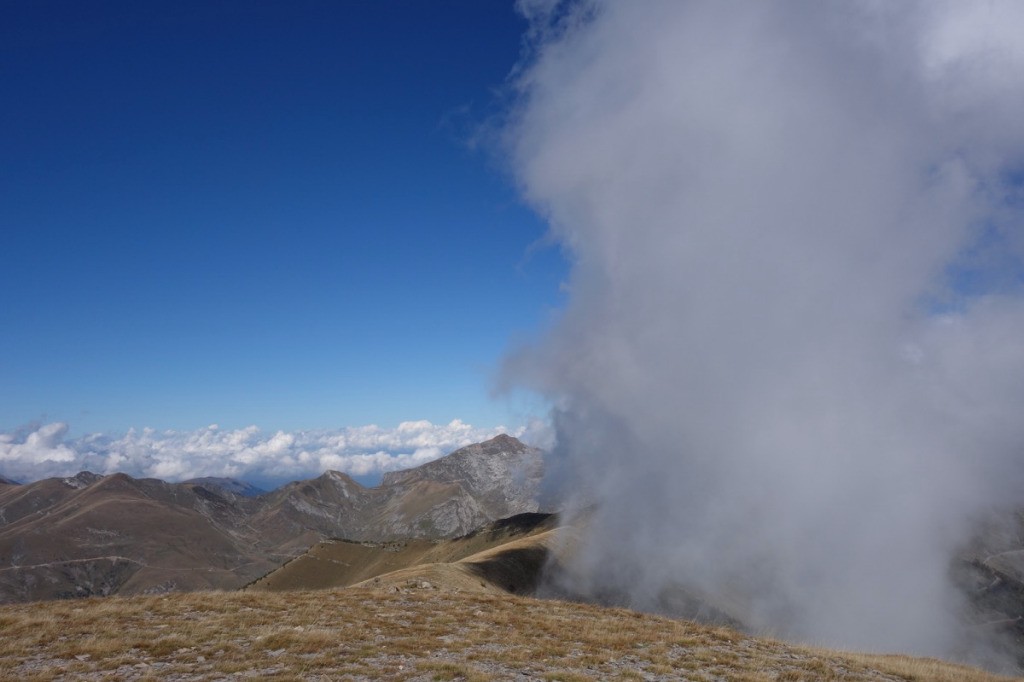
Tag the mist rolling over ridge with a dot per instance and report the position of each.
(790, 369)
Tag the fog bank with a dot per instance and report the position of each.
(791, 365)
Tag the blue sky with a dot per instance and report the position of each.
(260, 214)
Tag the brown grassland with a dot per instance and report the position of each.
(410, 632)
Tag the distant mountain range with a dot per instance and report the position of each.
(98, 535)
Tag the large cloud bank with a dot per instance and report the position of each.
(791, 366)
(37, 452)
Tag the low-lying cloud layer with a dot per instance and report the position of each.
(791, 366)
(42, 451)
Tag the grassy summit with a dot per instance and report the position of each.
(409, 632)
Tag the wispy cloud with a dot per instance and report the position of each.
(37, 452)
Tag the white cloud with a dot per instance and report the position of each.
(43, 446)
(248, 453)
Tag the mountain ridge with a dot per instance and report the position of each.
(227, 484)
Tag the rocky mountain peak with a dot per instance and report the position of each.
(503, 443)
(82, 479)
(339, 477)
(479, 461)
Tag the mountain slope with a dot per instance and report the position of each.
(341, 563)
(990, 572)
(91, 535)
(502, 473)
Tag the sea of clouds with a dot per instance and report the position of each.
(44, 450)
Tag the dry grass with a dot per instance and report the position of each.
(341, 563)
(919, 669)
(411, 634)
